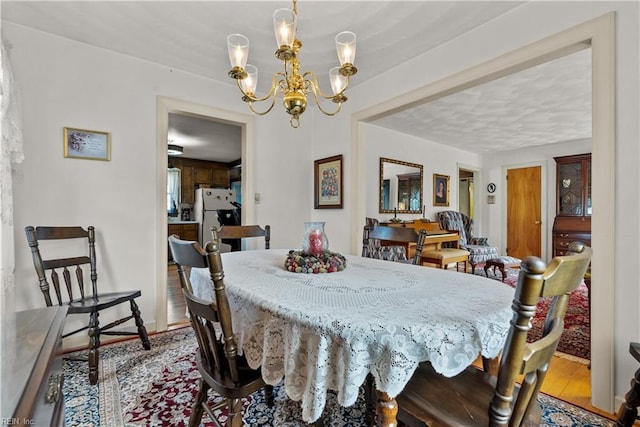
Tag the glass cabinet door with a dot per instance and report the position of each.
(570, 187)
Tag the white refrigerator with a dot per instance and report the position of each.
(205, 209)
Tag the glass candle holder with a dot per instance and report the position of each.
(315, 240)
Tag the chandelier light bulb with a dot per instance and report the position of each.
(338, 81)
(250, 82)
(238, 47)
(284, 26)
(346, 47)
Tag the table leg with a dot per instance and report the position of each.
(386, 410)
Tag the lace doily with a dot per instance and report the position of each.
(327, 262)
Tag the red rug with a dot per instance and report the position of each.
(576, 338)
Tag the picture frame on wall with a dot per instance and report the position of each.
(440, 190)
(86, 144)
(327, 183)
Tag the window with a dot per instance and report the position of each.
(173, 191)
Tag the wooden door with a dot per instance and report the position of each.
(524, 212)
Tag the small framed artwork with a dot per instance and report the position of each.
(327, 182)
(440, 190)
(87, 144)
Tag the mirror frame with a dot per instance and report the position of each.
(400, 162)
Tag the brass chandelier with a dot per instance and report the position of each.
(294, 86)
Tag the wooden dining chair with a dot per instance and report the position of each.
(83, 302)
(628, 412)
(474, 398)
(227, 232)
(221, 368)
(394, 235)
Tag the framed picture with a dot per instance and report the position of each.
(327, 183)
(87, 144)
(440, 190)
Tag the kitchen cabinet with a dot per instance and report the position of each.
(200, 174)
(185, 230)
(573, 202)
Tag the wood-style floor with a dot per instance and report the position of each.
(567, 380)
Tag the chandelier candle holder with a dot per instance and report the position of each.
(294, 86)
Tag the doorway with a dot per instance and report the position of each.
(466, 191)
(164, 107)
(599, 35)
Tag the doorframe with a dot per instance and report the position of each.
(544, 204)
(164, 106)
(599, 34)
(477, 195)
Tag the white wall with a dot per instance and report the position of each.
(434, 158)
(64, 83)
(494, 168)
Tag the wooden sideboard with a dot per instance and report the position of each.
(31, 387)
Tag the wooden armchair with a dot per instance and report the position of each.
(86, 303)
(220, 366)
(474, 398)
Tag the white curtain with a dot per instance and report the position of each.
(173, 188)
(11, 155)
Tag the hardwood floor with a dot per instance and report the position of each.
(176, 307)
(567, 380)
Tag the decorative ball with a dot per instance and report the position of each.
(324, 262)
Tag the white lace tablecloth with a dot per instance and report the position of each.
(328, 331)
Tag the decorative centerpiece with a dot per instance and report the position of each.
(315, 256)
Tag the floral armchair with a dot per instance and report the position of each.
(478, 247)
(371, 248)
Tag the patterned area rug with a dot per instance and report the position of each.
(576, 338)
(157, 388)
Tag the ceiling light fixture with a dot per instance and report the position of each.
(175, 150)
(294, 86)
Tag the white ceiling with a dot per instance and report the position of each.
(550, 103)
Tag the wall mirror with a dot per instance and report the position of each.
(400, 186)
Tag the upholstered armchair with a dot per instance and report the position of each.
(478, 247)
(372, 248)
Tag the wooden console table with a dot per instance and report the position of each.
(31, 386)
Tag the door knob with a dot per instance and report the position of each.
(538, 222)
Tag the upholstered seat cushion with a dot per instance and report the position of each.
(445, 253)
(506, 261)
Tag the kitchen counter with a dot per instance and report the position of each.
(170, 222)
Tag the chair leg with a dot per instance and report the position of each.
(473, 268)
(628, 411)
(198, 410)
(94, 344)
(268, 394)
(142, 331)
(235, 413)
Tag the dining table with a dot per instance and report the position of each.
(330, 331)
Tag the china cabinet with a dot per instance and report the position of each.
(573, 202)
